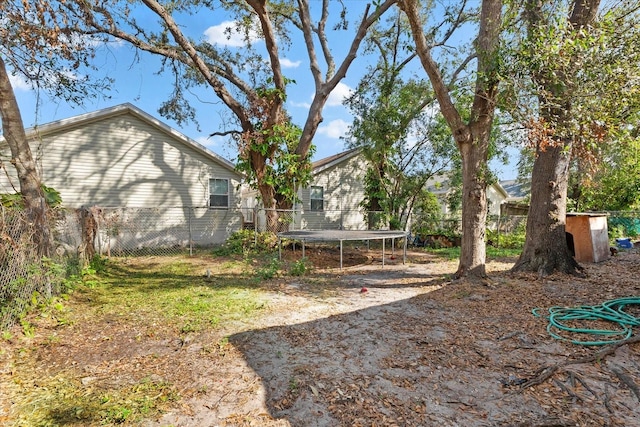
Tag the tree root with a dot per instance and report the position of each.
(546, 372)
(627, 380)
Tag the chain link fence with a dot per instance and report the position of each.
(624, 224)
(25, 278)
(84, 233)
(145, 231)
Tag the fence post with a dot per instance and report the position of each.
(255, 226)
(190, 208)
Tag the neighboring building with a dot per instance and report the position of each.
(333, 199)
(123, 157)
(440, 186)
(517, 202)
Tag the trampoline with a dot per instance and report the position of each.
(342, 236)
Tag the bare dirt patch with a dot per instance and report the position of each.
(372, 346)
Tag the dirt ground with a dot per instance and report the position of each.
(399, 345)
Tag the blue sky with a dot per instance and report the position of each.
(137, 82)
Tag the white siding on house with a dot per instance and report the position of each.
(121, 157)
(439, 186)
(8, 177)
(124, 161)
(343, 186)
(494, 199)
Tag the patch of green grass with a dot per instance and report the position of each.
(503, 252)
(454, 253)
(58, 400)
(173, 294)
(447, 253)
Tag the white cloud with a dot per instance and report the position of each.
(209, 142)
(287, 63)
(338, 94)
(203, 140)
(228, 33)
(220, 145)
(300, 104)
(334, 129)
(19, 83)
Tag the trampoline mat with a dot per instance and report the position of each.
(332, 235)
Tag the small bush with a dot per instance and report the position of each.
(244, 241)
(513, 240)
(300, 267)
(270, 270)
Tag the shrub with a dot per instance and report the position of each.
(500, 239)
(300, 267)
(270, 270)
(244, 241)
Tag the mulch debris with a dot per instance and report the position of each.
(414, 349)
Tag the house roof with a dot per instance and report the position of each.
(126, 108)
(516, 190)
(327, 162)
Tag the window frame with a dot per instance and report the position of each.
(313, 199)
(226, 195)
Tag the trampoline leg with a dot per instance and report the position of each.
(404, 257)
(303, 249)
(383, 252)
(340, 255)
(280, 248)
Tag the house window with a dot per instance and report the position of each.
(218, 193)
(317, 198)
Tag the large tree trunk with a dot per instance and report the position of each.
(472, 137)
(474, 207)
(22, 159)
(546, 249)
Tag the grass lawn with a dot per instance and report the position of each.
(155, 297)
(106, 353)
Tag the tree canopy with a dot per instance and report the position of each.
(250, 82)
(579, 63)
(394, 123)
(39, 43)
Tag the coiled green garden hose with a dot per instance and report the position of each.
(611, 311)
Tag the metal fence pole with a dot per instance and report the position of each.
(190, 233)
(498, 232)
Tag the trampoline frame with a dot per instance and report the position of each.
(345, 235)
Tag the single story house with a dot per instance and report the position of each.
(331, 200)
(140, 173)
(439, 185)
(517, 202)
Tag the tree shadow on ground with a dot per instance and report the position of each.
(453, 356)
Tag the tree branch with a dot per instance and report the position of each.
(460, 130)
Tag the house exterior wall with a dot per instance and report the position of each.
(123, 160)
(494, 199)
(343, 187)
